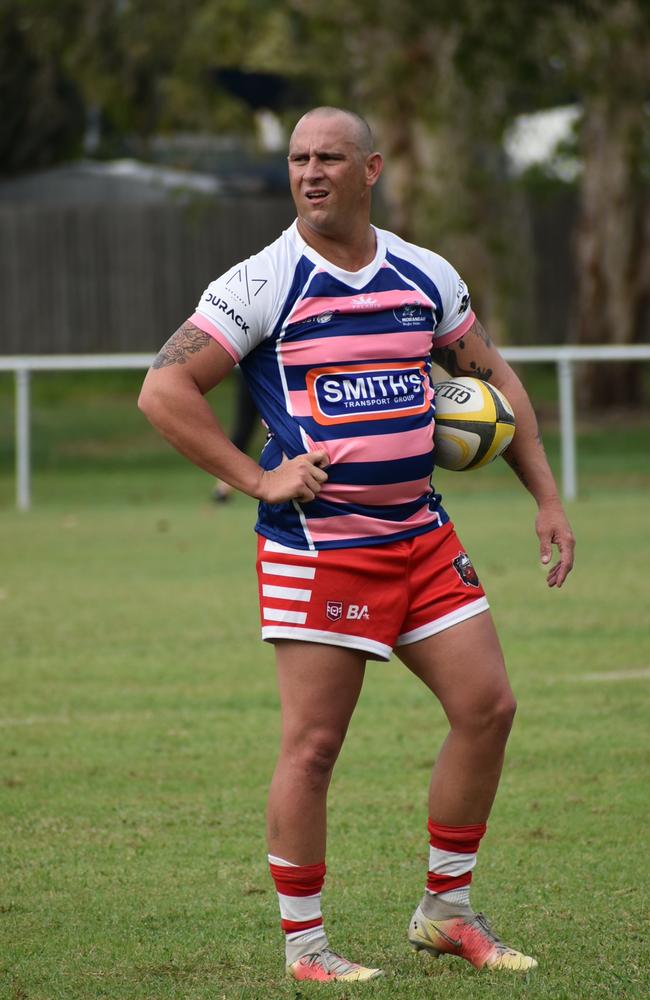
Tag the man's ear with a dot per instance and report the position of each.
(374, 166)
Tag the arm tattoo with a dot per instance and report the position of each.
(481, 332)
(452, 360)
(187, 340)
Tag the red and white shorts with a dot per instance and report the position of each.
(371, 598)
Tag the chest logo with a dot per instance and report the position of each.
(412, 314)
(367, 392)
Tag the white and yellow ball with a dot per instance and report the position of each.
(474, 423)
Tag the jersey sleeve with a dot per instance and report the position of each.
(238, 308)
(457, 312)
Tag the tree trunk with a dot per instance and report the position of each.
(612, 249)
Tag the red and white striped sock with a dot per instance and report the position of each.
(452, 856)
(299, 891)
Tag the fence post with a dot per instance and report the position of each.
(567, 428)
(23, 458)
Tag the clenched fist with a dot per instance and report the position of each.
(299, 478)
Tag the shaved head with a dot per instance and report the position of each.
(332, 170)
(361, 132)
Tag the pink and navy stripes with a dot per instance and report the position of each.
(345, 367)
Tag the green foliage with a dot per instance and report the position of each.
(440, 82)
(149, 68)
(42, 116)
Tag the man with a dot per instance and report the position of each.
(334, 326)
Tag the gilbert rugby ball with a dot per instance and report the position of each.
(474, 423)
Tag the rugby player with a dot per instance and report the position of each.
(334, 327)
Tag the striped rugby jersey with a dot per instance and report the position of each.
(340, 361)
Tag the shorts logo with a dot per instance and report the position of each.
(367, 392)
(355, 612)
(463, 566)
(358, 612)
(334, 610)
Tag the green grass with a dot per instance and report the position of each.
(139, 724)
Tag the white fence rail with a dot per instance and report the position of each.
(564, 358)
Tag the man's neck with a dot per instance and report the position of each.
(350, 254)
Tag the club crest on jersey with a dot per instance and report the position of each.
(411, 314)
(367, 392)
(463, 566)
(334, 610)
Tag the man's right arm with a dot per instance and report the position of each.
(173, 400)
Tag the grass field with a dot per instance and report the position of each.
(139, 724)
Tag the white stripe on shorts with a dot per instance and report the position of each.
(270, 546)
(282, 615)
(377, 650)
(283, 569)
(285, 593)
(440, 624)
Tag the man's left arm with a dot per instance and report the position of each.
(475, 355)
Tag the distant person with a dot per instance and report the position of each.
(335, 326)
(246, 419)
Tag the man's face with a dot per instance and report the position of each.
(330, 176)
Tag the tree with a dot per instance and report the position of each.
(137, 68)
(444, 182)
(595, 53)
(610, 51)
(440, 82)
(43, 113)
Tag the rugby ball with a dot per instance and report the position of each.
(474, 423)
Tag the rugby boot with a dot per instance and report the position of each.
(462, 932)
(325, 965)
